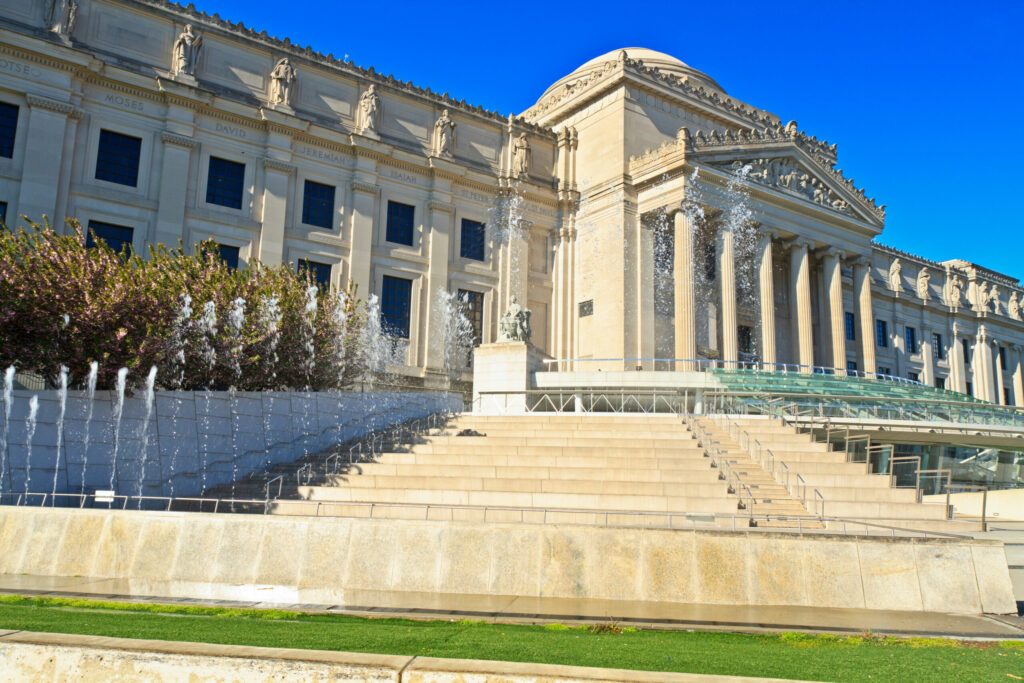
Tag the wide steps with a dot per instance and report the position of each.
(718, 503)
(703, 473)
(621, 442)
(677, 489)
(589, 461)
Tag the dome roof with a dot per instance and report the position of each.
(650, 58)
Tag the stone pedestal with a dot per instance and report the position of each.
(502, 373)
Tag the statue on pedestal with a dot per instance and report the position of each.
(61, 16)
(369, 111)
(444, 136)
(1013, 307)
(521, 156)
(954, 292)
(281, 80)
(515, 324)
(895, 277)
(186, 52)
(923, 280)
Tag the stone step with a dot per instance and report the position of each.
(680, 436)
(876, 510)
(575, 501)
(620, 442)
(861, 494)
(704, 473)
(461, 483)
(589, 461)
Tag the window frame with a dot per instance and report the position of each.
(90, 229)
(14, 129)
(387, 224)
(387, 326)
(221, 246)
(881, 333)
(910, 340)
(482, 241)
(850, 325)
(303, 265)
(938, 348)
(244, 182)
(333, 220)
(103, 161)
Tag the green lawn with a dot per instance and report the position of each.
(789, 655)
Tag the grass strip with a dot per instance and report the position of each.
(788, 655)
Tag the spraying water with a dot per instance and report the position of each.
(236, 321)
(456, 331)
(148, 395)
(270, 320)
(8, 399)
(309, 329)
(30, 433)
(62, 396)
(90, 396)
(122, 376)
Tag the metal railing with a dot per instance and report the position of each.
(584, 400)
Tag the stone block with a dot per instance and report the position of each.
(722, 574)
(889, 573)
(832, 574)
(80, 545)
(668, 566)
(994, 588)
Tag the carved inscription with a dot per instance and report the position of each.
(228, 129)
(324, 155)
(19, 68)
(124, 102)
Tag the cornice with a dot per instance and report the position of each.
(368, 188)
(278, 165)
(179, 140)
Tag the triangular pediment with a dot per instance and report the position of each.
(785, 166)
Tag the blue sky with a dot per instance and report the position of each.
(924, 99)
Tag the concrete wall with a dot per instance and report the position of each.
(221, 434)
(1000, 506)
(28, 656)
(316, 560)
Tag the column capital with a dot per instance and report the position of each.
(179, 140)
(56, 106)
(367, 188)
(801, 243)
(770, 234)
(435, 205)
(833, 252)
(278, 165)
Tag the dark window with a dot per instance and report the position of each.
(3, 214)
(224, 183)
(938, 350)
(746, 339)
(913, 377)
(318, 205)
(882, 333)
(473, 307)
(229, 255)
(586, 308)
(117, 237)
(851, 366)
(882, 370)
(851, 329)
(117, 159)
(1002, 358)
(970, 389)
(8, 126)
(966, 346)
(1007, 399)
(395, 305)
(910, 337)
(320, 273)
(400, 223)
(940, 382)
(473, 240)
(710, 261)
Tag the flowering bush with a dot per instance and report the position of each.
(200, 323)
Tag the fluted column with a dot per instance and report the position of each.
(865, 312)
(1018, 377)
(983, 367)
(766, 279)
(682, 268)
(834, 285)
(800, 295)
(1000, 387)
(927, 358)
(727, 275)
(957, 364)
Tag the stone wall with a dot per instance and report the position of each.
(192, 441)
(323, 560)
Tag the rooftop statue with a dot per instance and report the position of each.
(369, 111)
(281, 80)
(444, 135)
(515, 324)
(186, 52)
(895, 277)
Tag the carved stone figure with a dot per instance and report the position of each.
(61, 16)
(1013, 307)
(515, 324)
(895, 276)
(787, 175)
(981, 297)
(281, 80)
(954, 291)
(186, 52)
(924, 278)
(369, 111)
(994, 303)
(521, 156)
(444, 135)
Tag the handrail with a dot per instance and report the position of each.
(280, 484)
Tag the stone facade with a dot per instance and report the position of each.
(611, 163)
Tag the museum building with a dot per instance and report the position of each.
(646, 218)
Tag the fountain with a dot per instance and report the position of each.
(148, 396)
(122, 377)
(62, 396)
(90, 396)
(8, 402)
(457, 333)
(30, 433)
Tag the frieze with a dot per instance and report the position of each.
(789, 177)
(324, 155)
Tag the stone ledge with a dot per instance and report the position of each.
(28, 653)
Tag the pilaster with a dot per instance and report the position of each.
(727, 270)
(44, 156)
(441, 214)
(800, 295)
(276, 179)
(174, 168)
(837, 327)
(682, 267)
(766, 281)
(865, 312)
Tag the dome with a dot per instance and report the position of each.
(650, 58)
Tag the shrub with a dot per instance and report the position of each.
(202, 324)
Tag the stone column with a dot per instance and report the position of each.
(437, 280)
(834, 286)
(277, 176)
(1000, 387)
(983, 378)
(364, 206)
(766, 281)
(958, 364)
(927, 358)
(170, 214)
(685, 304)
(1018, 377)
(800, 295)
(727, 273)
(865, 311)
(44, 148)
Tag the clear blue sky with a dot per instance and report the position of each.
(924, 99)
